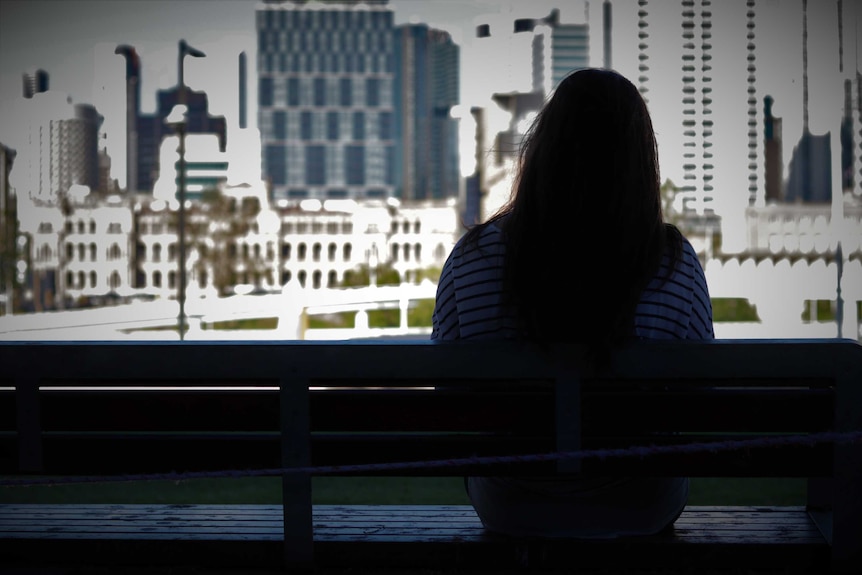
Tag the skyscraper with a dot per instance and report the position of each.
(325, 99)
(35, 82)
(696, 100)
(426, 88)
(62, 147)
(558, 49)
(145, 132)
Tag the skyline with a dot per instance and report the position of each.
(79, 57)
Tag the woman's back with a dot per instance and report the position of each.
(581, 254)
(471, 301)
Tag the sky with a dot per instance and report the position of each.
(74, 41)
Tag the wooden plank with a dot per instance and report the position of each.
(296, 487)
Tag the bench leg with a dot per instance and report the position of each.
(296, 487)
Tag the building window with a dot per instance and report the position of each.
(293, 90)
(265, 91)
(81, 252)
(70, 280)
(70, 252)
(93, 279)
(157, 279)
(45, 228)
(347, 252)
(93, 252)
(301, 252)
(315, 252)
(385, 119)
(172, 280)
(355, 165)
(319, 92)
(331, 250)
(172, 252)
(316, 276)
(305, 125)
(333, 279)
(358, 126)
(157, 253)
(315, 165)
(372, 92)
(345, 90)
(285, 252)
(332, 122)
(93, 227)
(279, 125)
(301, 276)
(114, 252)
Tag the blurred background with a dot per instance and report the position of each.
(232, 169)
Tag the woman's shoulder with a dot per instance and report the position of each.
(481, 237)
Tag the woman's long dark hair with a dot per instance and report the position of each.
(584, 229)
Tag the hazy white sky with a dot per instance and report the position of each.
(74, 41)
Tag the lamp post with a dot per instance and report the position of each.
(180, 127)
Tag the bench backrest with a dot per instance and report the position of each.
(154, 407)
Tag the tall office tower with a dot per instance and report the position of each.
(62, 148)
(753, 164)
(643, 46)
(772, 151)
(853, 181)
(696, 89)
(133, 108)
(325, 99)
(242, 91)
(558, 50)
(35, 82)
(426, 88)
(9, 274)
(145, 134)
(75, 150)
(607, 26)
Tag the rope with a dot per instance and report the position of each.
(357, 469)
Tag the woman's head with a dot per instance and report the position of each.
(592, 147)
(584, 225)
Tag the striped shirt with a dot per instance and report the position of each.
(469, 301)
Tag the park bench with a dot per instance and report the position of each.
(127, 409)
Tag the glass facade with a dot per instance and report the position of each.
(325, 99)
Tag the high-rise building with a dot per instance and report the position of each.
(145, 132)
(74, 155)
(325, 99)
(697, 123)
(426, 135)
(753, 164)
(9, 274)
(133, 108)
(558, 49)
(62, 147)
(772, 142)
(35, 82)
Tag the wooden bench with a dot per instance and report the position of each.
(120, 409)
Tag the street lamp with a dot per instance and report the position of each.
(179, 124)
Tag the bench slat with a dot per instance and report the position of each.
(128, 534)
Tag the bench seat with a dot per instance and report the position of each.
(419, 536)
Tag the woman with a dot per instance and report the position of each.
(579, 253)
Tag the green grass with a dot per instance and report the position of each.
(733, 310)
(364, 490)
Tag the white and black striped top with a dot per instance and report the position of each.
(469, 296)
